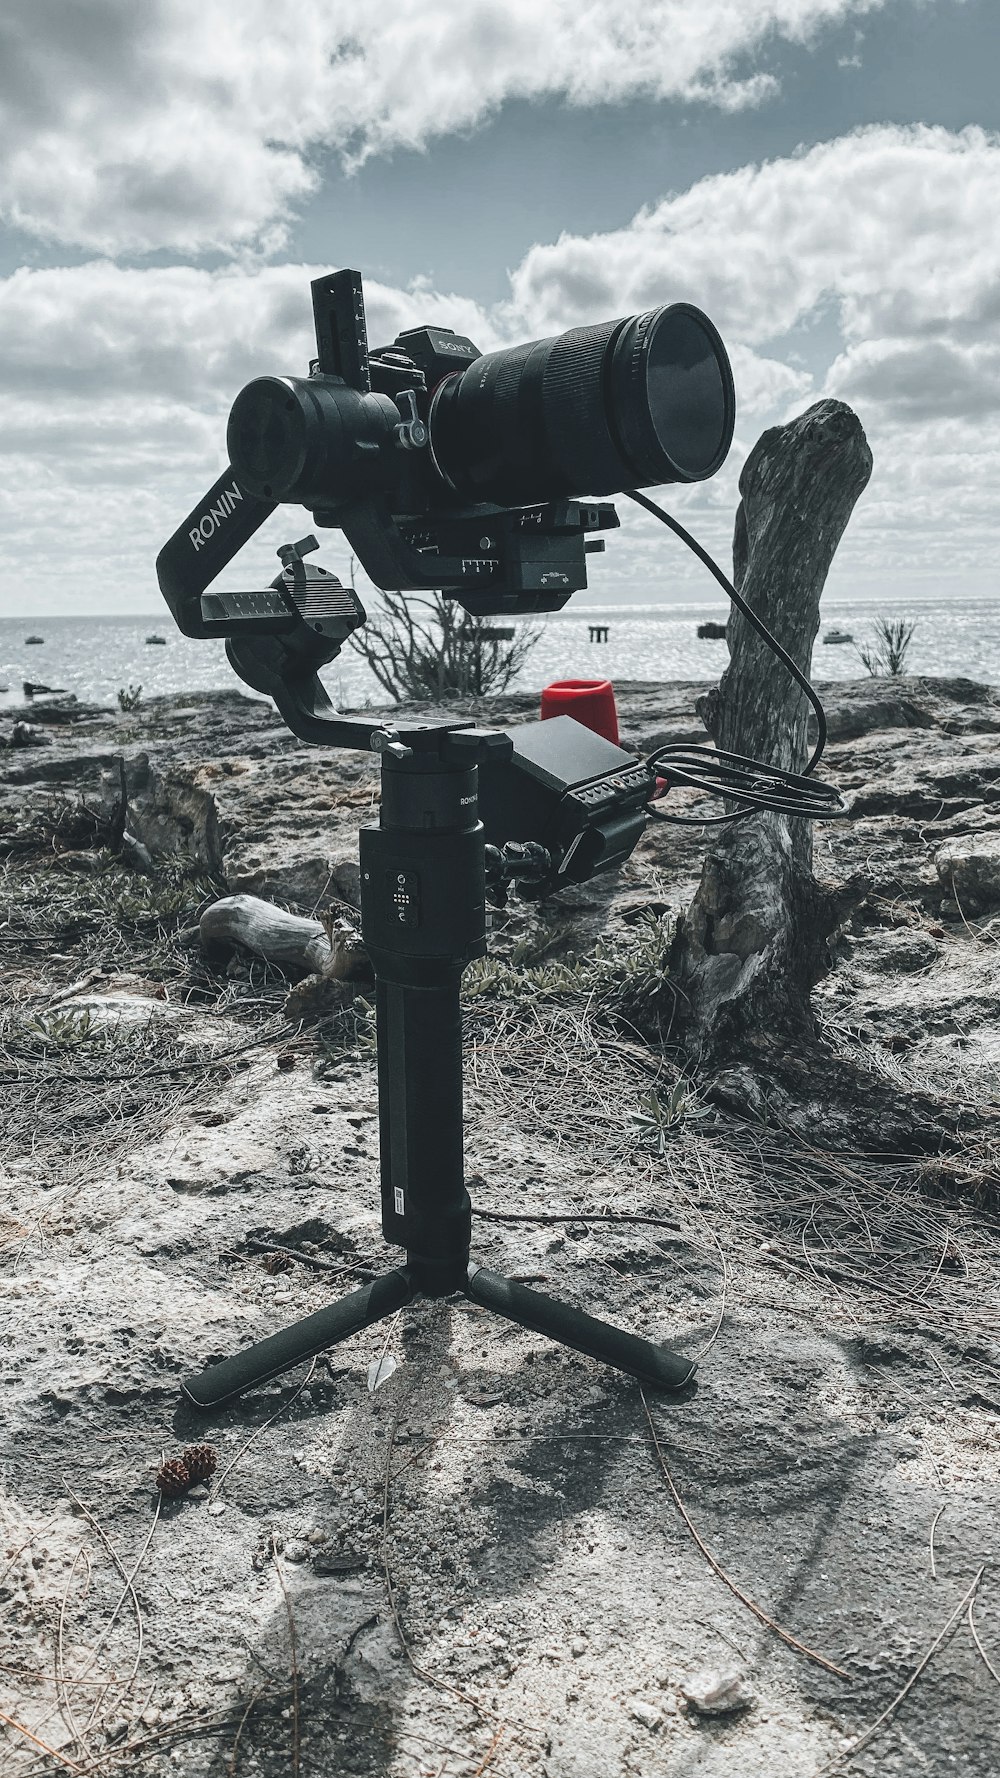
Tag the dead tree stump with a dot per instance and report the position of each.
(753, 943)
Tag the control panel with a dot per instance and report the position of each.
(404, 897)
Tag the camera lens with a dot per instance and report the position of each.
(317, 442)
(624, 404)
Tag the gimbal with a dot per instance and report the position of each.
(428, 456)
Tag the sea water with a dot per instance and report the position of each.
(95, 657)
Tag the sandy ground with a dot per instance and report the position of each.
(490, 1564)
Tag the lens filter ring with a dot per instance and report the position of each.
(670, 395)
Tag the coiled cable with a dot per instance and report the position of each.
(749, 782)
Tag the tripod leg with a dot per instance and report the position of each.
(651, 1363)
(280, 1351)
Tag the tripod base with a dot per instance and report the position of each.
(657, 1365)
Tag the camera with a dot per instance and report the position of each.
(481, 475)
(450, 467)
(455, 470)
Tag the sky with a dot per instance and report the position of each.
(822, 177)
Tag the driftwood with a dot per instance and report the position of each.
(754, 942)
(328, 954)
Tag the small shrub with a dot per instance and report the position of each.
(130, 699)
(659, 1118)
(885, 657)
(420, 648)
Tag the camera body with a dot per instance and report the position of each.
(354, 443)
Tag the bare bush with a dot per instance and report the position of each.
(428, 647)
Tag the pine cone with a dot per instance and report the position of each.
(200, 1461)
(173, 1478)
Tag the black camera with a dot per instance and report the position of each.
(448, 467)
(454, 470)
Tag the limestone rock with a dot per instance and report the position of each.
(717, 1692)
(971, 867)
(27, 734)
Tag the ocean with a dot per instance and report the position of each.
(95, 656)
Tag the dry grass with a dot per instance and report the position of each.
(80, 1083)
(907, 1240)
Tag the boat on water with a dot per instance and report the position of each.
(836, 636)
(160, 640)
(33, 641)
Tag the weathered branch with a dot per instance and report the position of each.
(312, 947)
(753, 942)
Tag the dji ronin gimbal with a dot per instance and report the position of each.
(453, 470)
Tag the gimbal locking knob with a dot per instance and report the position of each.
(411, 433)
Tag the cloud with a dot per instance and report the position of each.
(193, 125)
(920, 380)
(867, 268)
(887, 239)
(898, 227)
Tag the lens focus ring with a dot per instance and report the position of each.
(573, 402)
(623, 404)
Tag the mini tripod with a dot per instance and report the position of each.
(423, 906)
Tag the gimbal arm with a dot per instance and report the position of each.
(203, 544)
(279, 636)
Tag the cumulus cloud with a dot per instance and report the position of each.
(118, 380)
(193, 124)
(898, 226)
(891, 233)
(97, 330)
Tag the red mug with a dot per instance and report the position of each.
(589, 701)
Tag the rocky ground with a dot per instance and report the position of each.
(502, 1559)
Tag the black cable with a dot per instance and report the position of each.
(747, 781)
(748, 612)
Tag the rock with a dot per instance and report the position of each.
(27, 734)
(339, 1562)
(856, 712)
(971, 868)
(717, 1692)
(287, 873)
(171, 814)
(316, 996)
(907, 949)
(647, 1714)
(282, 829)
